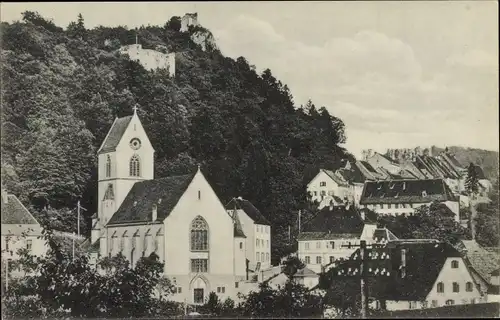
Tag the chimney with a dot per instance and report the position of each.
(5, 198)
(155, 213)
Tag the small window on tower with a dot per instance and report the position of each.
(199, 194)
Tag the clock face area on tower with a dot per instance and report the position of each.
(135, 143)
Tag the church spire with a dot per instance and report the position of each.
(135, 108)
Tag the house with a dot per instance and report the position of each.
(414, 274)
(328, 236)
(483, 265)
(328, 184)
(304, 276)
(257, 230)
(179, 218)
(402, 197)
(20, 230)
(378, 160)
(356, 174)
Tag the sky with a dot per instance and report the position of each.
(399, 74)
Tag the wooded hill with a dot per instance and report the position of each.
(62, 89)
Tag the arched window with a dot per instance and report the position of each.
(454, 264)
(440, 287)
(108, 167)
(199, 234)
(135, 167)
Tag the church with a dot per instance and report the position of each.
(179, 218)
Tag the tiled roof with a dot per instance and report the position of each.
(484, 262)
(424, 262)
(164, 193)
(406, 191)
(309, 236)
(364, 170)
(452, 160)
(305, 272)
(383, 234)
(115, 134)
(355, 174)
(249, 209)
(335, 177)
(238, 229)
(338, 221)
(14, 212)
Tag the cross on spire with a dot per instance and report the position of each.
(135, 108)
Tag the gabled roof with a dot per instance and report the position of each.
(481, 260)
(424, 262)
(238, 229)
(383, 234)
(304, 273)
(115, 134)
(310, 236)
(14, 212)
(406, 191)
(354, 174)
(339, 223)
(249, 209)
(163, 192)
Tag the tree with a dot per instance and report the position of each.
(291, 265)
(435, 221)
(77, 29)
(290, 301)
(472, 181)
(174, 24)
(488, 220)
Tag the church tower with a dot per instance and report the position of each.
(125, 157)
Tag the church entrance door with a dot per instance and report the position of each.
(198, 295)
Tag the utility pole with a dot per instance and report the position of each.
(300, 212)
(289, 233)
(364, 272)
(73, 246)
(6, 274)
(78, 222)
(362, 282)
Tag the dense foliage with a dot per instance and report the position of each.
(472, 180)
(63, 88)
(58, 285)
(435, 221)
(488, 220)
(289, 301)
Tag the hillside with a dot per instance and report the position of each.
(486, 159)
(62, 89)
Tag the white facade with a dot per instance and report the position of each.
(15, 235)
(397, 209)
(258, 242)
(219, 267)
(114, 171)
(317, 253)
(453, 286)
(322, 185)
(150, 59)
